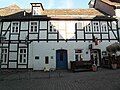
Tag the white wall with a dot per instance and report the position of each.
(43, 49)
(117, 11)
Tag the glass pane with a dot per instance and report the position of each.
(35, 28)
(13, 29)
(46, 60)
(24, 60)
(5, 58)
(5, 50)
(76, 57)
(24, 50)
(20, 58)
(21, 51)
(24, 55)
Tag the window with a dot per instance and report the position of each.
(88, 27)
(33, 27)
(36, 10)
(22, 56)
(78, 55)
(52, 27)
(4, 56)
(96, 27)
(15, 27)
(46, 60)
(37, 57)
(104, 27)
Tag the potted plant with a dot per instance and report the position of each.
(94, 67)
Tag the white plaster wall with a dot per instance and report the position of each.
(24, 26)
(23, 35)
(43, 25)
(12, 65)
(43, 49)
(13, 47)
(30, 56)
(117, 11)
(5, 25)
(13, 56)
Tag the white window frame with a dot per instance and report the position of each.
(79, 54)
(4, 56)
(15, 27)
(52, 27)
(36, 11)
(88, 26)
(22, 56)
(96, 26)
(33, 27)
(104, 26)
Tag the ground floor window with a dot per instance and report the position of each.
(46, 60)
(4, 57)
(22, 56)
(78, 55)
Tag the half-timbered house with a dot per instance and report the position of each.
(37, 38)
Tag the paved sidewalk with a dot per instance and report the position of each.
(103, 79)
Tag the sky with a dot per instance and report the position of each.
(48, 4)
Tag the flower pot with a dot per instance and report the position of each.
(114, 66)
(94, 68)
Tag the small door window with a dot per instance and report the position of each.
(46, 60)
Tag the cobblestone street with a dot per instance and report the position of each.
(103, 79)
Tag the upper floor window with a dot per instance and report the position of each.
(96, 27)
(88, 28)
(15, 27)
(36, 10)
(4, 55)
(52, 27)
(22, 56)
(104, 27)
(33, 27)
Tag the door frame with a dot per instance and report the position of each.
(99, 55)
(66, 57)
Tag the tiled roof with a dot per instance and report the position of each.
(55, 12)
(13, 9)
(111, 2)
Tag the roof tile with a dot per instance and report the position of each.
(111, 3)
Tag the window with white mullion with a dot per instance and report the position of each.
(96, 27)
(33, 27)
(15, 27)
(104, 27)
(52, 26)
(78, 54)
(88, 28)
(22, 56)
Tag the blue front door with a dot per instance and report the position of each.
(61, 59)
